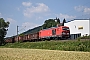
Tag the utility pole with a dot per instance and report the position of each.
(17, 33)
(89, 28)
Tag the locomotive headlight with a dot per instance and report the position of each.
(63, 33)
(68, 29)
(68, 33)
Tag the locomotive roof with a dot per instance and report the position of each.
(54, 27)
(49, 28)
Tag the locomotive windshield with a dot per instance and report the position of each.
(65, 28)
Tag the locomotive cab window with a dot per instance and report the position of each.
(54, 32)
(65, 28)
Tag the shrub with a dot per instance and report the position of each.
(81, 47)
(78, 38)
(85, 37)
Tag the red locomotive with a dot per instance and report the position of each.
(50, 33)
(55, 33)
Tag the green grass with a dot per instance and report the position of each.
(41, 54)
(73, 45)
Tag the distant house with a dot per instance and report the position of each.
(79, 27)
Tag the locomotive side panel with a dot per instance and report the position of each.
(45, 33)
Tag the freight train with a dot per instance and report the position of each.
(60, 32)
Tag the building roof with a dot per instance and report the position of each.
(81, 19)
(77, 19)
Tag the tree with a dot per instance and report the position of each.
(58, 20)
(64, 21)
(49, 23)
(3, 30)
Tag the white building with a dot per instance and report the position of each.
(79, 26)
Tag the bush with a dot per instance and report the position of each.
(80, 48)
(85, 37)
(78, 38)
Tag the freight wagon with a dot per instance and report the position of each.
(28, 37)
(10, 40)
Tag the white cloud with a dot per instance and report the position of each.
(87, 10)
(18, 9)
(83, 9)
(79, 8)
(27, 4)
(0, 14)
(40, 8)
(39, 18)
(12, 21)
(67, 17)
(29, 25)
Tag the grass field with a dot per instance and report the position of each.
(41, 54)
(65, 45)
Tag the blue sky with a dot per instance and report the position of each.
(28, 14)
